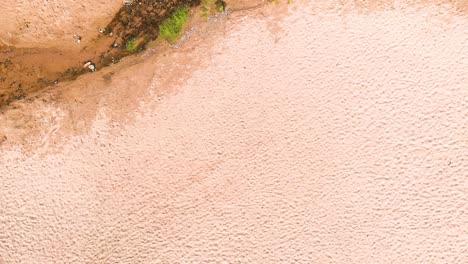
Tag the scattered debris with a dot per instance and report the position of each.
(77, 39)
(90, 65)
(137, 22)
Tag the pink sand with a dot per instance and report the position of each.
(326, 137)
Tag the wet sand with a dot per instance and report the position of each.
(308, 133)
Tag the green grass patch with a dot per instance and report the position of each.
(204, 12)
(172, 26)
(220, 5)
(210, 7)
(131, 45)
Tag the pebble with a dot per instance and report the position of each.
(90, 66)
(77, 39)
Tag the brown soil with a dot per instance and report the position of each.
(26, 70)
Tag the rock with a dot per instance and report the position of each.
(90, 65)
(77, 39)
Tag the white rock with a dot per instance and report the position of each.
(92, 67)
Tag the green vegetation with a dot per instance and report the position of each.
(172, 26)
(204, 12)
(220, 5)
(210, 7)
(131, 45)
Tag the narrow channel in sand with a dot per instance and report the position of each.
(301, 133)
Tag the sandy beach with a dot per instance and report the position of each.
(286, 133)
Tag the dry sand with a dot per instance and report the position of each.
(53, 23)
(324, 134)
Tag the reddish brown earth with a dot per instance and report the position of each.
(305, 133)
(38, 42)
(26, 70)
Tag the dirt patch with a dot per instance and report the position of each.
(26, 70)
(53, 23)
(80, 101)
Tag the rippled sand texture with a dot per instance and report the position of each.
(326, 137)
